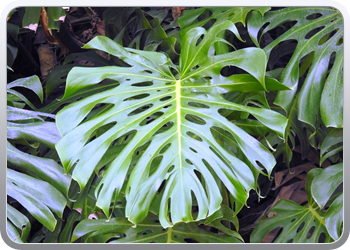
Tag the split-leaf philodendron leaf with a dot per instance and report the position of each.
(168, 116)
(318, 54)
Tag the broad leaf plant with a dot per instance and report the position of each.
(167, 126)
(169, 114)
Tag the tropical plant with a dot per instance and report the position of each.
(320, 220)
(36, 183)
(221, 125)
(314, 72)
(171, 121)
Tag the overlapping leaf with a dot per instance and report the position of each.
(298, 224)
(169, 122)
(39, 184)
(150, 30)
(319, 36)
(312, 223)
(120, 230)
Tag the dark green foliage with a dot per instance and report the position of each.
(171, 130)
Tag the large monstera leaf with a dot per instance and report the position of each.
(155, 132)
(36, 182)
(318, 54)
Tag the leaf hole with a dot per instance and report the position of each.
(148, 71)
(195, 119)
(151, 118)
(194, 136)
(193, 150)
(262, 167)
(314, 16)
(199, 40)
(276, 32)
(189, 240)
(145, 232)
(198, 105)
(97, 109)
(167, 106)
(171, 168)
(165, 98)
(155, 220)
(281, 54)
(313, 32)
(322, 238)
(142, 84)
(327, 37)
(340, 41)
(164, 128)
(141, 109)
(105, 127)
(126, 137)
(300, 227)
(232, 70)
(310, 232)
(165, 148)
(155, 164)
(136, 97)
(161, 187)
(188, 161)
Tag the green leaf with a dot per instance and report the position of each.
(149, 231)
(331, 106)
(31, 17)
(298, 224)
(325, 183)
(45, 132)
(32, 83)
(37, 196)
(20, 222)
(199, 17)
(172, 135)
(43, 168)
(55, 16)
(221, 220)
(12, 50)
(332, 144)
(334, 217)
(318, 32)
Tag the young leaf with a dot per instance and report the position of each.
(325, 183)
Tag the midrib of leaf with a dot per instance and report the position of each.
(178, 121)
(169, 233)
(153, 69)
(316, 215)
